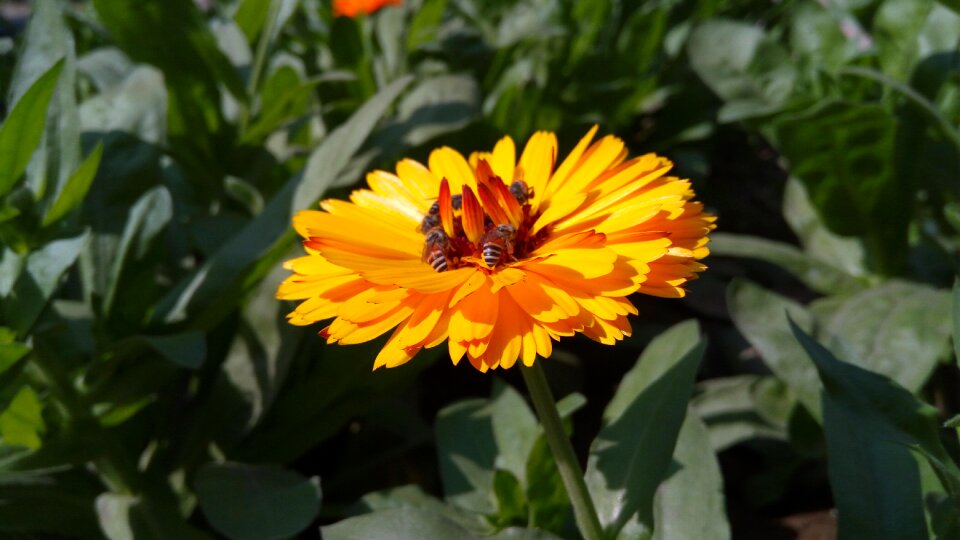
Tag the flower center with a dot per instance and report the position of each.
(486, 229)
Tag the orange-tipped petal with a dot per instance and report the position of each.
(492, 205)
(446, 207)
(510, 203)
(472, 215)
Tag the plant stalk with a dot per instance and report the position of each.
(570, 471)
(259, 59)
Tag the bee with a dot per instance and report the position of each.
(429, 222)
(520, 190)
(495, 241)
(435, 249)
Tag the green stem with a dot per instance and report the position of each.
(570, 472)
(259, 59)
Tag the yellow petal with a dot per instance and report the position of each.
(445, 162)
(537, 163)
(504, 159)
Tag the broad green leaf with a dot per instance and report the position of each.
(818, 275)
(244, 193)
(515, 430)
(878, 328)
(761, 316)
(415, 524)
(146, 220)
(137, 105)
(75, 188)
(256, 502)
(748, 70)
(870, 422)
(413, 498)
(37, 283)
(265, 238)
(105, 66)
(956, 320)
(467, 451)
(21, 424)
(22, 130)
(743, 407)
(843, 152)
(690, 502)
(844, 253)
(632, 454)
(436, 106)
(251, 16)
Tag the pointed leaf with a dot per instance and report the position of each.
(690, 502)
(870, 422)
(632, 453)
(22, 131)
(956, 320)
(21, 424)
(761, 316)
(75, 188)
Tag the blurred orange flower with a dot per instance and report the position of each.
(497, 256)
(352, 8)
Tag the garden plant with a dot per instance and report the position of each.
(463, 269)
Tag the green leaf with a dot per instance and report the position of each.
(75, 188)
(870, 422)
(266, 237)
(413, 498)
(467, 452)
(124, 517)
(251, 16)
(425, 25)
(48, 40)
(23, 129)
(632, 453)
(187, 350)
(21, 424)
(251, 502)
(744, 407)
(36, 285)
(956, 320)
(879, 327)
(436, 106)
(515, 430)
(818, 242)
(761, 316)
(690, 502)
(843, 152)
(146, 220)
(818, 275)
(751, 72)
(415, 524)
(896, 27)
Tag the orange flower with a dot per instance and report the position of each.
(494, 256)
(352, 8)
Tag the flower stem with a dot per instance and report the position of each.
(563, 454)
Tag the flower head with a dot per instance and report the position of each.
(496, 256)
(352, 8)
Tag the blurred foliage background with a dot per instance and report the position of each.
(153, 152)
